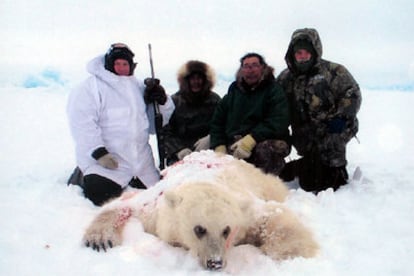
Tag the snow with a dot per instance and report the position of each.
(365, 228)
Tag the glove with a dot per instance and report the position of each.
(242, 149)
(202, 143)
(154, 92)
(221, 149)
(336, 125)
(108, 161)
(183, 153)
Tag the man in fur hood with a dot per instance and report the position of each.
(189, 126)
(324, 99)
(251, 121)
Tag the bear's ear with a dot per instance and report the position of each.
(172, 198)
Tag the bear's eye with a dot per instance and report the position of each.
(200, 231)
(226, 232)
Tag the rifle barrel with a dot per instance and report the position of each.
(158, 119)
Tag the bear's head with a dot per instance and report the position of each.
(208, 220)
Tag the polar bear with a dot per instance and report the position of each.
(206, 204)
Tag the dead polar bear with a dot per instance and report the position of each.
(206, 204)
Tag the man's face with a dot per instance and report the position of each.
(302, 55)
(196, 83)
(121, 67)
(252, 70)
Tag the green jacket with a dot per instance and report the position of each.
(261, 112)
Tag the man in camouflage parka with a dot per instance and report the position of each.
(324, 99)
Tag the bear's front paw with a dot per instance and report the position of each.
(101, 240)
(105, 231)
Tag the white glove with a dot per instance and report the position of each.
(183, 153)
(108, 161)
(202, 143)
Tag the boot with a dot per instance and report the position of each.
(311, 173)
(76, 178)
(136, 183)
(290, 171)
(336, 177)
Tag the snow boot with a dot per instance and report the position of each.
(76, 178)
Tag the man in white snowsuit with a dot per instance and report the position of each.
(111, 122)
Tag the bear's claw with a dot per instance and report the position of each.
(99, 246)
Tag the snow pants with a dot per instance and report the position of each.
(313, 175)
(100, 189)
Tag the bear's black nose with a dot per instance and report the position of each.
(214, 264)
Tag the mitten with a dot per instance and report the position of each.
(336, 125)
(183, 153)
(220, 149)
(154, 92)
(242, 149)
(108, 161)
(150, 82)
(202, 143)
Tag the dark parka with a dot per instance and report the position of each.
(326, 92)
(261, 112)
(193, 111)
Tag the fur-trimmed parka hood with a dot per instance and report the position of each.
(310, 35)
(196, 67)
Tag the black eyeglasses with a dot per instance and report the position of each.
(251, 65)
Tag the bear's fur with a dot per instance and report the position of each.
(225, 202)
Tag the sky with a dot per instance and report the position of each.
(364, 228)
(372, 39)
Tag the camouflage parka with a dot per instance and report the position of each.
(325, 92)
(193, 111)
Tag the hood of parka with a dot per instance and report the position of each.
(310, 35)
(196, 67)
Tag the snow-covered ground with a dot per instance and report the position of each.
(365, 228)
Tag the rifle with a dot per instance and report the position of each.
(158, 120)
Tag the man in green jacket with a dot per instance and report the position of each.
(251, 121)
